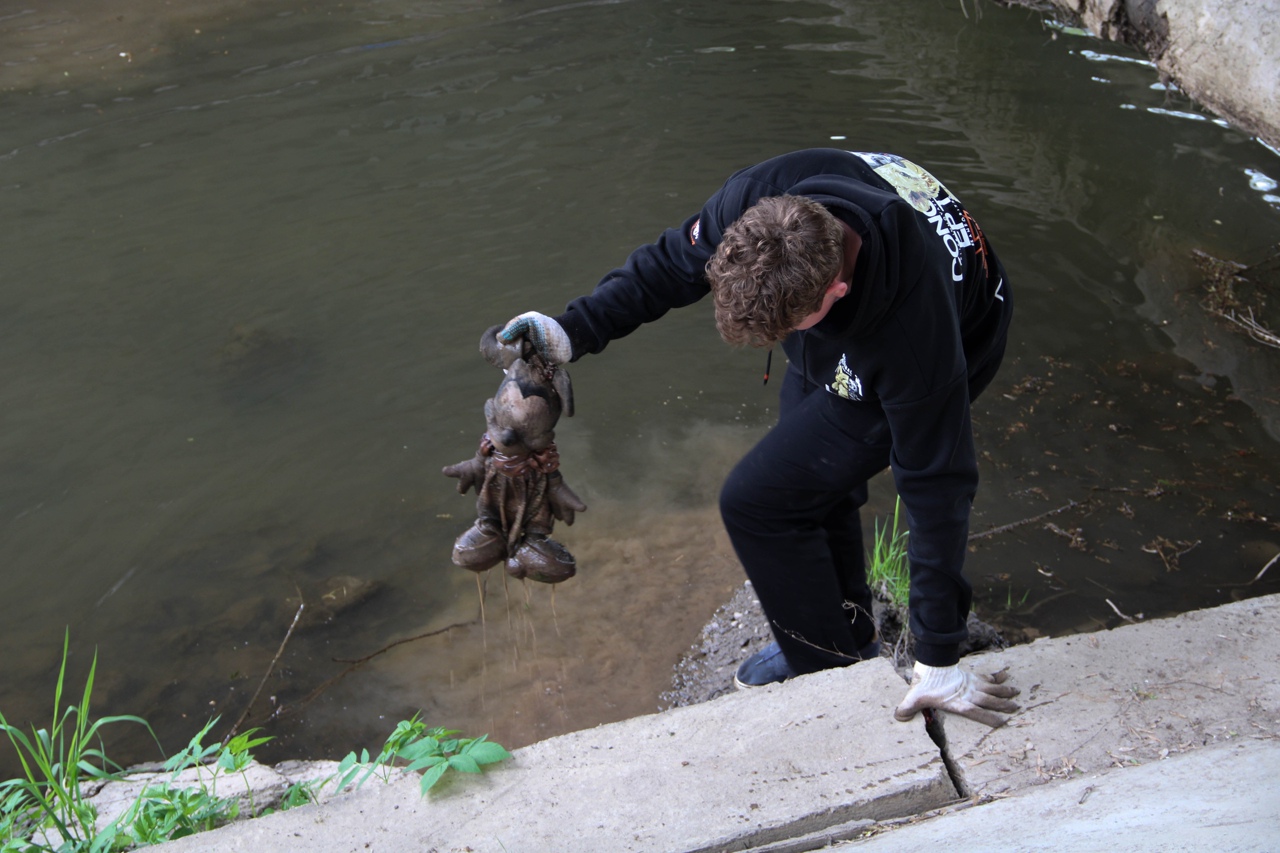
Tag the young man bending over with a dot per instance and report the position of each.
(893, 312)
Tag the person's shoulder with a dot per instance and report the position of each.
(802, 163)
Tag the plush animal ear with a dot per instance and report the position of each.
(497, 353)
(564, 390)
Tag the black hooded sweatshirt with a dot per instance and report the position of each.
(926, 313)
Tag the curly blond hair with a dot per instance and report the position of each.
(772, 268)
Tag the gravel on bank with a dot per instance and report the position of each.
(739, 629)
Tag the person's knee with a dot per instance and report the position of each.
(748, 498)
(735, 504)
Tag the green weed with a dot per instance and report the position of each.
(170, 810)
(1009, 603)
(888, 571)
(434, 751)
(46, 811)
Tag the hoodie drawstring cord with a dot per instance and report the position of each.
(804, 367)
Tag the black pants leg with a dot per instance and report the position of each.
(791, 507)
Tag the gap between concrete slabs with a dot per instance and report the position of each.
(1128, 696)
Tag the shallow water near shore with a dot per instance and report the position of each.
(249, 252)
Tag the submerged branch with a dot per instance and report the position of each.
(1005, 528)
(353, 665)
(1118, 613)
(389, 646)
(266, 675)
(1255, 330)
(1269, 564)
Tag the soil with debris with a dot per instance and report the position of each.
(738, 629)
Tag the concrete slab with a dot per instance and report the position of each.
(739, 772)
(1194, 700)
(1223, 798)
(257, 788)
(1128, 696)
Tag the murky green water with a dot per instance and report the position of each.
(247, 258)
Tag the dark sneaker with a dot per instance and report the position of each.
(769, 665)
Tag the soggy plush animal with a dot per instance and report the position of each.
(515, 472)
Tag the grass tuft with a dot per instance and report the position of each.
(46, 811)
(888, 571)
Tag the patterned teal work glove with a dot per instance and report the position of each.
(547, 336)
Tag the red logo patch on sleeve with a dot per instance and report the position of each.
(694, 231)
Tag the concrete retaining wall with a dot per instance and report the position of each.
(1223, 53)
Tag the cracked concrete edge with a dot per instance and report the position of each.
(1225, 54)
(257, 786)
(1221, 798)
(1133, 695)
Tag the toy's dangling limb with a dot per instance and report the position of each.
(499, 498)
(538, 499)
(531, 491)
(515, 532)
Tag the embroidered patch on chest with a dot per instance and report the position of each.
(846, 383)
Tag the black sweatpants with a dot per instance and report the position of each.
(791, 508)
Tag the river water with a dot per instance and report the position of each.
(249, 250)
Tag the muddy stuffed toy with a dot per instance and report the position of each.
(515, 473)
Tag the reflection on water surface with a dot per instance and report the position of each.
(248, 261)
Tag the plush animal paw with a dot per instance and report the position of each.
(542, 559)
(480, 548)
(564, 503)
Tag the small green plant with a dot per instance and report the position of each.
(297, 794)
(169, 810)
(434, 751)
(888, 571)
(1009, 603)
(166, 812)
(45, 809)
(216, 758)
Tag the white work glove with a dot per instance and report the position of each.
(950, 688)
(547, 336)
